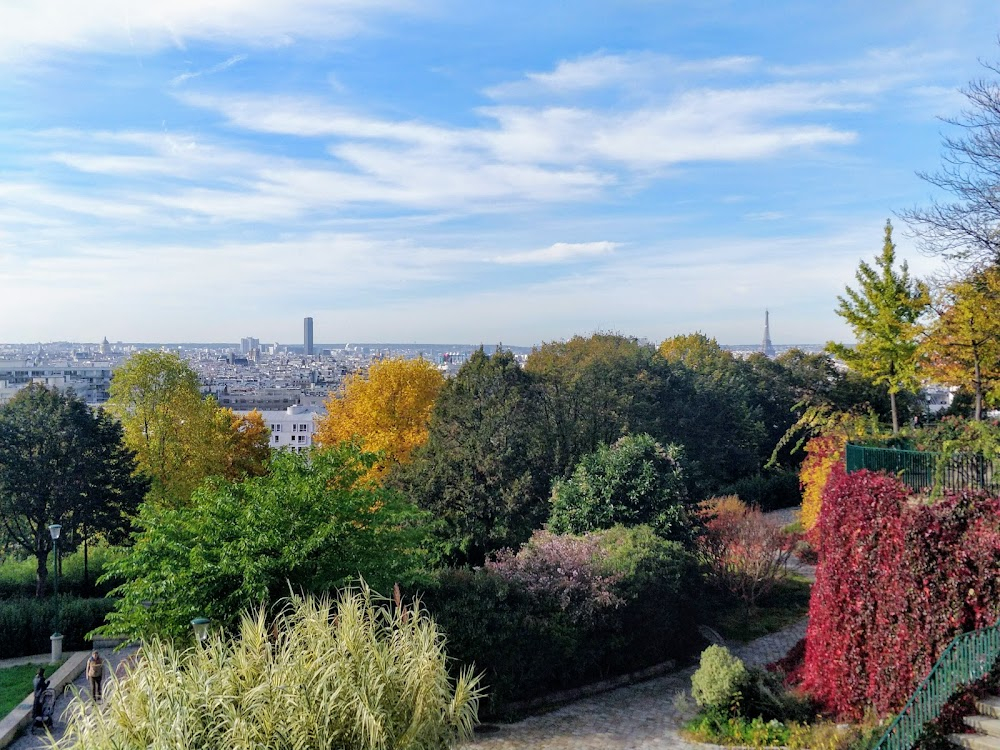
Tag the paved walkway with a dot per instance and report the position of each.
(82, 687)
(646, 716)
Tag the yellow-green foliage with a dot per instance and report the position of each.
(822, 454)
(365, 673)
(719, 679)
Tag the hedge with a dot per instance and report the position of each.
(528, 645)
(26, 624)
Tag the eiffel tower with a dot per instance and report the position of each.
(767, 347)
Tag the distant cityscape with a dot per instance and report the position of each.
(287, 383)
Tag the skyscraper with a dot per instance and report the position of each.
(307, 335)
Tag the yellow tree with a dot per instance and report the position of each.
(388, 410)
(246, 440)
(180, 437)
(962, 346)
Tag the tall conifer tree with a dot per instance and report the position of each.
(884, 313)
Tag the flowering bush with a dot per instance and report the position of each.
(745, 553)
(568, 610)
(895, 583)
(571, 571)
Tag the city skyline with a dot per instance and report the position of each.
(439, 172)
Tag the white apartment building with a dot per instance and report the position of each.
(292, 427)
(88, 381)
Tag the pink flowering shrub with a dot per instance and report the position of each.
(572, 571)
(567, 610)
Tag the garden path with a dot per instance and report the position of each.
(82, 686)
(646, 716)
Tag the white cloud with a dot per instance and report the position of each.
(560, 252)
(633, 71)
(40, 27)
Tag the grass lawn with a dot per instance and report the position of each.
(786, 604)
(16, 682)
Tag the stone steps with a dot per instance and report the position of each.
(986, 725)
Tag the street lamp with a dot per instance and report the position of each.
(200, 625)
(54, 530)
(56, 638)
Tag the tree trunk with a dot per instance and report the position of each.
(41, 574)
(978, 383)
(895, 413)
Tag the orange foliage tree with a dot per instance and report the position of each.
(388, 410)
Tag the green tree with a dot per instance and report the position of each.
(634, 481)
(596, 390)
(723, 430)
(157, 398)
(61, 463)
(309, 524)
(485, 469)
(884, 312)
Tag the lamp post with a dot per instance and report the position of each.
(200, 625)
(54, 531)
(56, 638)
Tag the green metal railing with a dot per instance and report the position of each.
(924, 470)
(969, 657)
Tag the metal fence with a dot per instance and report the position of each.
(924, 471)
(969, 657)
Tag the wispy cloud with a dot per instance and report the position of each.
(230, 62)
(634, 71)
(560, 252)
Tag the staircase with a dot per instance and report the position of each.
(986, 724)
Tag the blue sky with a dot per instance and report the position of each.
(442, 171)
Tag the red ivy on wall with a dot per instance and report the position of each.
(896, 581)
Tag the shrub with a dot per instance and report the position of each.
(568, 610)
(570, 571)
(719, 681)
(745, 553)
(362, 674)
(895, 583)
(635, 481)
(26, 624)
(17, 576)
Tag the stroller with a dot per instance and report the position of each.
(43, 710)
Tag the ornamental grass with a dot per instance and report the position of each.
(362, 673)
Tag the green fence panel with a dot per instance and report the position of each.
(922, 471)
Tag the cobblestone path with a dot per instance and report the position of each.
(646, 716)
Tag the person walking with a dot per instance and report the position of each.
(40, 685)
(95, 673)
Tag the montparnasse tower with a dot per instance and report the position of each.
(768, 347)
